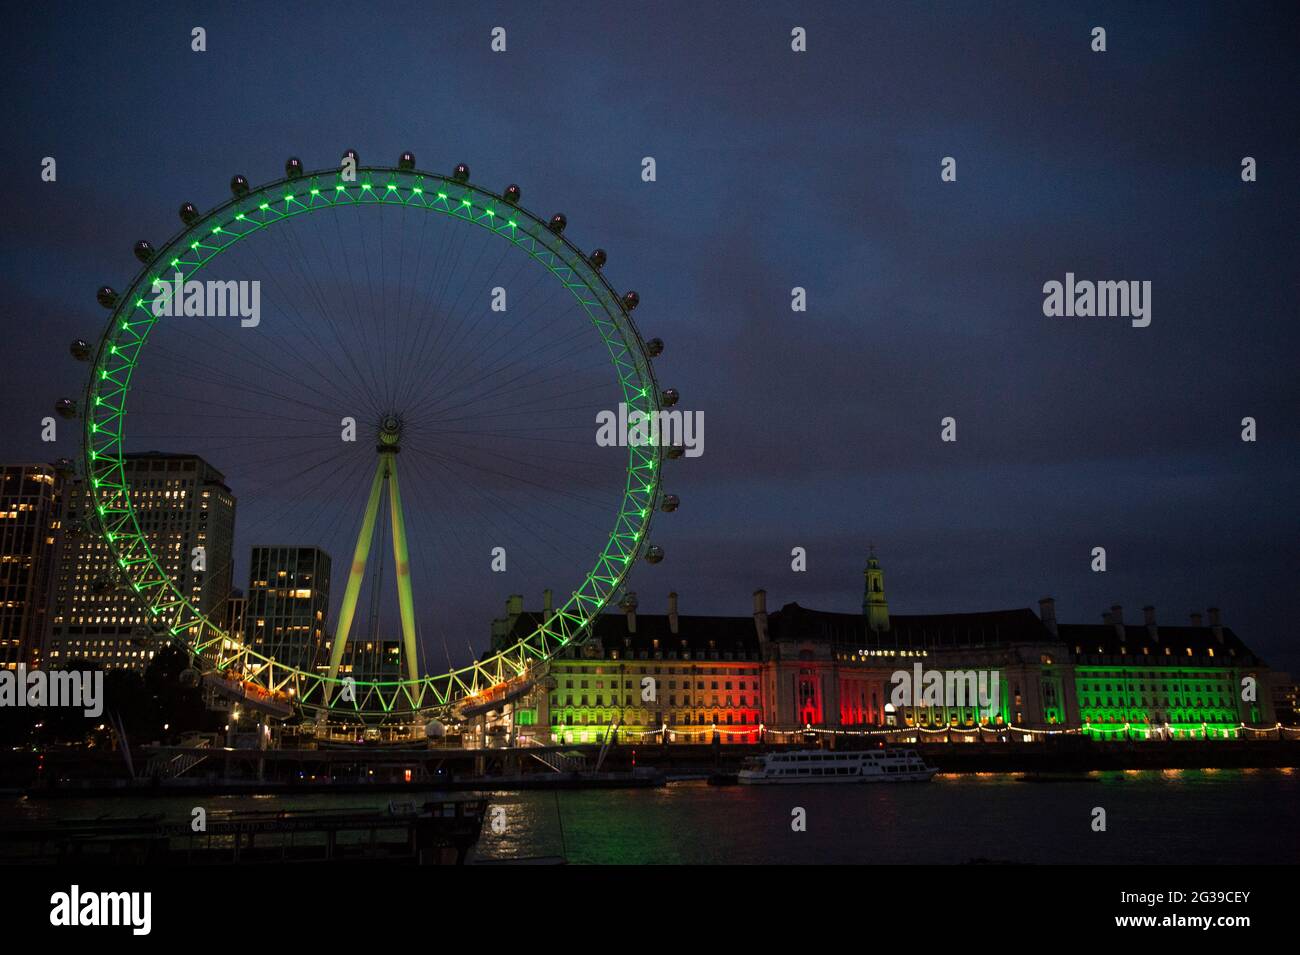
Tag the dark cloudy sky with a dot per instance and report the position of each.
(776, 170)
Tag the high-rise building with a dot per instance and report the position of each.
(29, 527)
(233, 620)
(287, 604)
(182, 503)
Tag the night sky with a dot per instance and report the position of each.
(779, 169)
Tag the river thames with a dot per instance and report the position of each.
(1152, 817)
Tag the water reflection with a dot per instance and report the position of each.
(1182, 816)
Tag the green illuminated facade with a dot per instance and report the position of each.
(1144, 681)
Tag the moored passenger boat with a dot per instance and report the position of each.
(822, 766)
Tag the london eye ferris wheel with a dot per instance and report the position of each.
(421, 383)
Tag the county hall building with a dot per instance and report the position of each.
(696, 678)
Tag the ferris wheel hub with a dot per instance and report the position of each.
(390, 432)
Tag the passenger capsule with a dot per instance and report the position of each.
(669, 503)
(512, 194)
(238, 186)
(188, 678)
(80, 349)
(406, 161)
(597, 259)
(653, 554)
(66, 408)
(631, 300)
(675, 452)
(293, 167)
(654, 347)
(460, 173)
(670, 397)
(143, 251)
(106, 296)
(189, 213)
(557, 223)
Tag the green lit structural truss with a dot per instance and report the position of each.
(120, 351)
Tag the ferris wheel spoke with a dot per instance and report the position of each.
(452, 516)
(434, 406)
(516, 478)
(521, 527)
(516, 354)
(278, 396)
(197, 359)
(435, 346)
(498, 532)
(222, 415)
(370, 299)
(365, 351)
(480, 350)
(349, 474)
(569, 478)
(513, 408)
(252, 531)
(519, 434)
(264, 469)
(409, 314)
(432, 321)
(439, 356)
(344, 469)
(510, 414)
(479, 535)
(415, 360)
(207, 337)
(221, 374)
(436, 411)
(483, 377)
(355, 385)
(452, 310)
(448, 360)
(330, 307)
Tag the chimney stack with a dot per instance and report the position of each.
(1149, 618)
(1047, 612)
(1117, 619)
(514, 606)
(629, 605)
(548, 601)
(672, 611)
(760, 614)
(1196, 619)
(1215, 623)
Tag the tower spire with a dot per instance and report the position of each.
(874, 606)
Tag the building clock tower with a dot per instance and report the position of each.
(874, 607)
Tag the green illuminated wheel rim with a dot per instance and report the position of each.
(173, 614)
